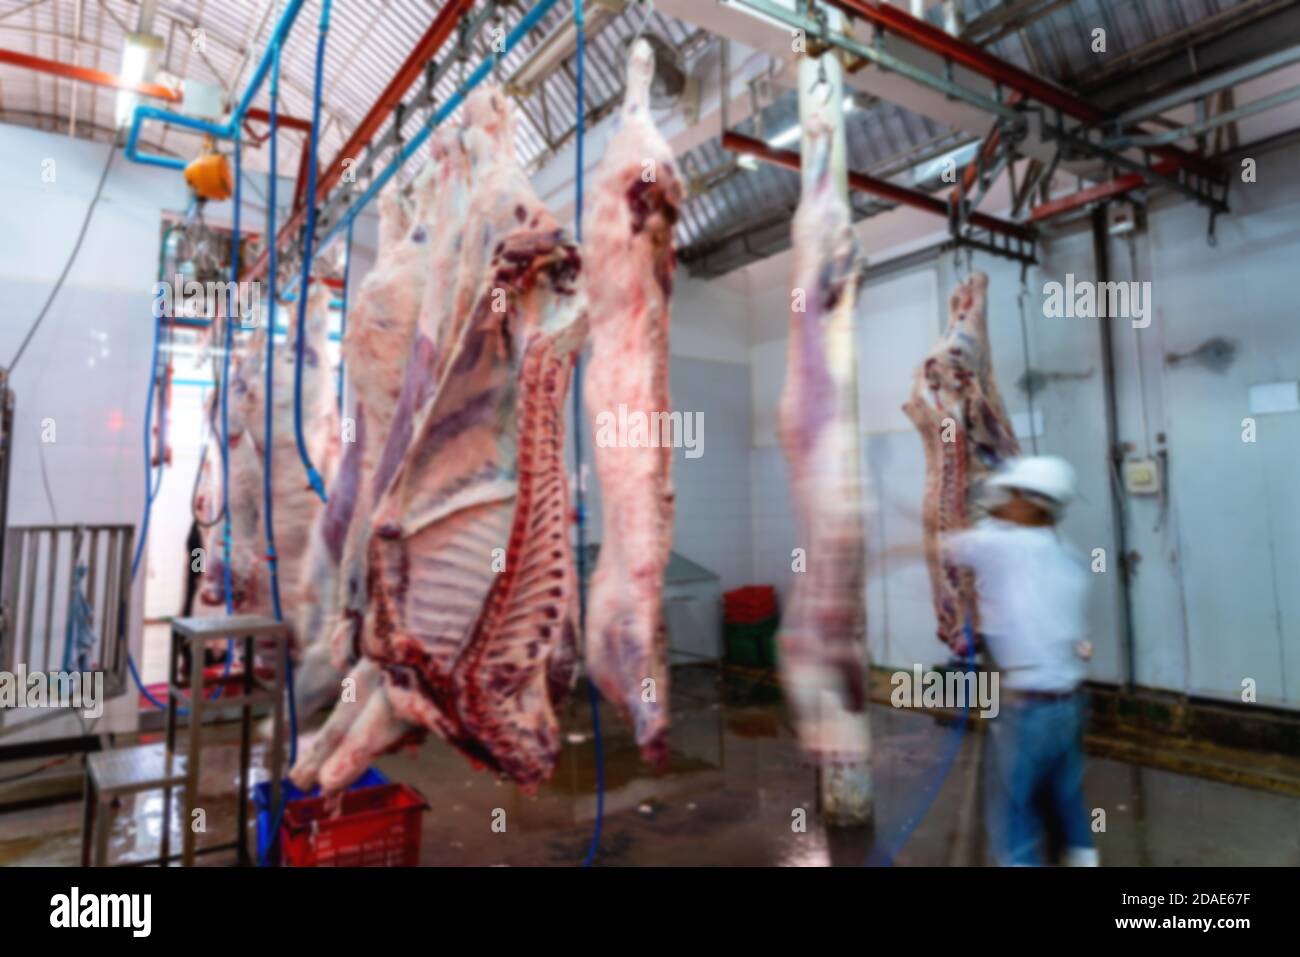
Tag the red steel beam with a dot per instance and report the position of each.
(929, 37)
(300, 187)
(1115, 187)
(87, 75)
(444, 24)
(288, 122)
(864, 183)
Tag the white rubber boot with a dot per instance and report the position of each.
(1082, 857)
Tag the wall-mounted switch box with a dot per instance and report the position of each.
(1142, 477)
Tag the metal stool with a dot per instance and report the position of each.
(112, 774)
(150, 767)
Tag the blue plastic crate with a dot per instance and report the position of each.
(262, 802)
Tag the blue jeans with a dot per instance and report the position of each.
(1035, 767)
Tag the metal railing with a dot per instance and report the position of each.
(63, 584)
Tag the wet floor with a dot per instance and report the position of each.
(735, 795)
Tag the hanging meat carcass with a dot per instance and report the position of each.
(249, 592)
(823, 631)
(470, 583)
(629, 232)
(295, 504)
(956, 407)
(397, 379)
(376, 347)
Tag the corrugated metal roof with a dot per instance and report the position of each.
(369, 39)
(1058, 42)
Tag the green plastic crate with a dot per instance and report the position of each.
(753, 645)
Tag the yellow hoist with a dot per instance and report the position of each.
(209, 174)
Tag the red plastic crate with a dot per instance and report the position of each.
(377, 827)
(749, 605)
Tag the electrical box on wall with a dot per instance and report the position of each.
(1142, 477)
(202, 100)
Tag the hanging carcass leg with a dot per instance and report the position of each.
(822, 633)
(629, 232)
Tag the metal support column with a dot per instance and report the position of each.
(1114, 452)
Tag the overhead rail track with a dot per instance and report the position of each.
(1021, 105)
(361, 150)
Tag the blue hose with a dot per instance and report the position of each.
(268, 437)
(884, 857)
(269, 396)
(225, 390)
(150, 493)
(225, 425)
(343, 310)
(151, 487)
(580, 511)
(309, 236)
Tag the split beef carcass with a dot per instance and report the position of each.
(629, 232)
(471, 591)
(956, 407)
(376, 347)
(316, 679)
(823, 631)
(381, 349)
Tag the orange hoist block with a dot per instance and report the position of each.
(209, 175)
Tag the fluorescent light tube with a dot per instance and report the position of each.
(791, 134)
(139, 56)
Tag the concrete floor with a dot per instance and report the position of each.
(736, 780)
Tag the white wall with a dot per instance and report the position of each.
(1236, 505)
(87, 368)
(1212, 596)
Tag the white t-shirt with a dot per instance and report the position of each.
(1032, 592)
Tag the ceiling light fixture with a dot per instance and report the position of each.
(140, 54)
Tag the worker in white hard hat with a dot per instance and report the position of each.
(1032, 591)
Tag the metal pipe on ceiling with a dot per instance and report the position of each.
(1211, 85)
(229, 129)
(815, 29)
(892, 19)
(865, 183)
(1280, 98)
(412, 69)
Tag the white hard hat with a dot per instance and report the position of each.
(1045, 475)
